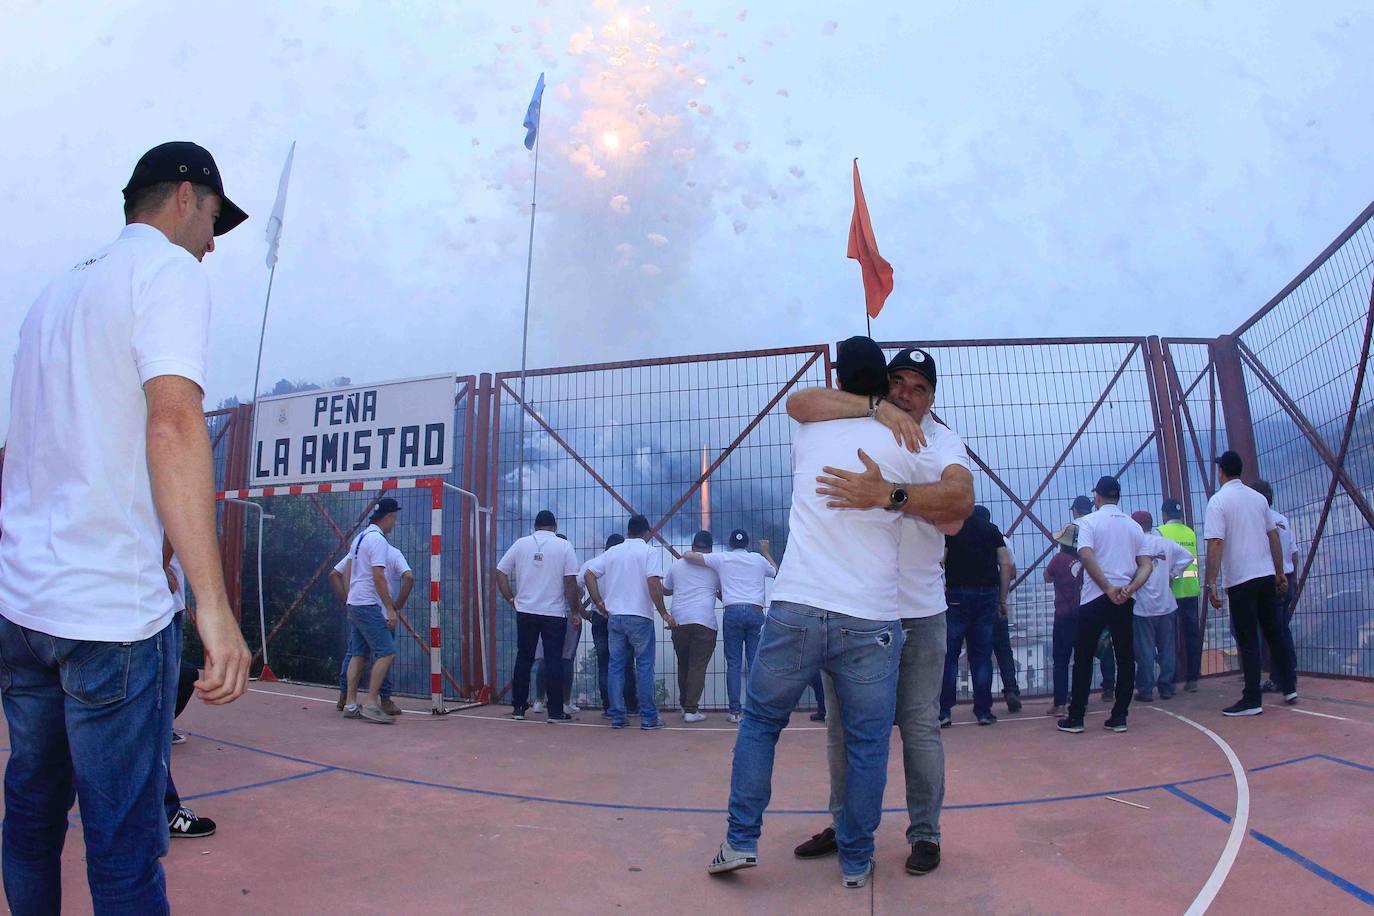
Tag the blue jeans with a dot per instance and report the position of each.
(1065, 636)
(971, 615)
(1192, 637)
(1001, 650)
(739, 626)
(861, 656)
(1155, 635)
(87, 720)
(602, 642)
(632, 636)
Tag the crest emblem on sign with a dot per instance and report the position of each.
(283, 415)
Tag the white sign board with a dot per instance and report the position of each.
(394, 429)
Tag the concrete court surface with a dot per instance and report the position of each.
(476, 813)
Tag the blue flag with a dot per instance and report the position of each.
(532, 113)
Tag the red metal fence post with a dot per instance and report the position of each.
(1235, 404)
(236, 458)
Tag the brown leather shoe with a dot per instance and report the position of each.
(924, 858)
(822, 844)
(390, 708)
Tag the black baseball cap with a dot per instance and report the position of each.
(1230, 462)
(185, 161)
(1108, 487)
(1082, 505)
(702, 540)
(385, 506)
(545, 519)
(1172, 508)
(739, 538)
(861, 367)
(915, 359)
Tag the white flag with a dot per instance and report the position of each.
(278, 210)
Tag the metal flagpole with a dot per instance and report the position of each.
(524, 348)
(263, 334)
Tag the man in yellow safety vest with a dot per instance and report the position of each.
(1186, 589)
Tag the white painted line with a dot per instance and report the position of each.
(1320, 715)
(1240, 821)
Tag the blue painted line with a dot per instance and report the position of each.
(1326, 874)
(668, 809)
(259, 785)
(1347, 763)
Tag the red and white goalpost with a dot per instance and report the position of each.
(436, 487)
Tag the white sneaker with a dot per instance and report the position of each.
(694, 717)
(734, 717)
(571, 708)
(537, 706)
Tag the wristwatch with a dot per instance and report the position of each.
(873, 401)
(898, 498)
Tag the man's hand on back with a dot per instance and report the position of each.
(864, 489)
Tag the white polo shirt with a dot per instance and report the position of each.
(1155, 598)
(1116, 540)
(178, 596)
(741, 576)
(622, 576)
(694, 592)
(1286, 542)
(396, 567)
(921, 579)
(1239, 516)
(538, 563)
(843, 560)
(81, 549)
(370, 549)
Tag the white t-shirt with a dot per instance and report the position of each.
(921, 577)
(370, 549)
(622, 576)
(741, 576)
(179, 596)
(694, 592)
(1239, 516)
(1116, 540)
(396, 567)
(843, 561)
(1286, 542)
(1155, 598)
(538, 563)
(81, 550)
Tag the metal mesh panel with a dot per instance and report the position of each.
(645, 429)
(1304, 352)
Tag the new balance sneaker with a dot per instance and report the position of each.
(860, 879)
(1243, 709)
(731, 859)
(180, 738)
(537, 706)
(390, 708)
(1290, 698)
(1013, 700)
(353, 712)
(185, 824)
(820, 845)
(924, 858)
(1115, 724)
(694, 717)
(518, 712)
(1070, 724)
(376, 714)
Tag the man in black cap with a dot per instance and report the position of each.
(695, 588)
(1081, 506)
(1116, 563)
(371, 614)
(1186, 589)
(1244, 549)
(107, 450)
(546, 601)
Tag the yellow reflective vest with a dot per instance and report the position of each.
(1186, 585)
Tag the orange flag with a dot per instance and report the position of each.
(863, 247)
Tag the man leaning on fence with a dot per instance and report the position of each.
(108, 451)
(1245, 552)
(546, 598)
(695, 589)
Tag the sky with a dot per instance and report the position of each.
(1031, 169)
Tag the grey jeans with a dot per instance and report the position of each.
(919, 679)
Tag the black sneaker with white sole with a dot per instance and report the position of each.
(1070, 724)
(1243, 709)
(1290, 698)
(1115, 724)
(185, 824)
